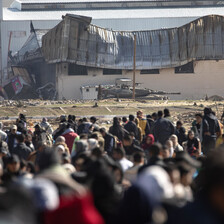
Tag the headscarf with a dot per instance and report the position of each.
(145, 145)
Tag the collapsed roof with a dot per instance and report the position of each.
(31, 50)
(75, 40)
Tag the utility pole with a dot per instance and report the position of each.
(134, 67)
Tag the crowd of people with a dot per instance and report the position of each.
(143, 169)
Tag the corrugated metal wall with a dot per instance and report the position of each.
(93, 46)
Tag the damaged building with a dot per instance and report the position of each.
(121, 15)
(187, 59)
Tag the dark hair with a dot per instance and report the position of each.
(154, 114)
(20, 138)
(93, 119)
(31, 166)
(160, 113)
(179, 123)
(131, 117)
(47, 158)
(115, 121)
(137, 157)
(124, 119)
(95, 136)
(84, 119)
(207, 110)
(199, 115)
(148, 116)
(155, 149)
(166, 112)
(127, 138)
(98, 152)
(83, 136)
(119, 150)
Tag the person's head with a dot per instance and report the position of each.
(149, 140)
(13, 164)
(103, 131)
(207, 110)
(60, 139)
(148, 116)
(22, 117)
(65, 158)
(62, 118)
(154, 116)
(131, 117)
(166, 112)
(30, 168)
(138, 158)
(165, 152)
(179, 124)
(80, 121)
(160, 114)
(28, 138)
(174, 139)
(124, 119)
(155, 149)
(190, 134)
(37, 127)
(127, 140)
(93, 120)
(47, 159)
(118, 173)
(84, 119)
(20, 138)
(14, 129)
(139, 114)
(169, 144)
(83, 136)
(60, 149)
(186, 165)
(116, 121)
(3, 149)
(118, 153)
(198, 118)
(44, 120)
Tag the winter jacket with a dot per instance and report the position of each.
(117, 131)
(22, 151)
(211, 125)
(163, 129)
(143, 124)
(131, 127)
(70, 136)
(73, 209)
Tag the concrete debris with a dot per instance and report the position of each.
(216, 98)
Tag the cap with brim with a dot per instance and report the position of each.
(185, 157)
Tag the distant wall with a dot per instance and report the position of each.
(207, 79)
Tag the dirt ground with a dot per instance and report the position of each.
(180, 110)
